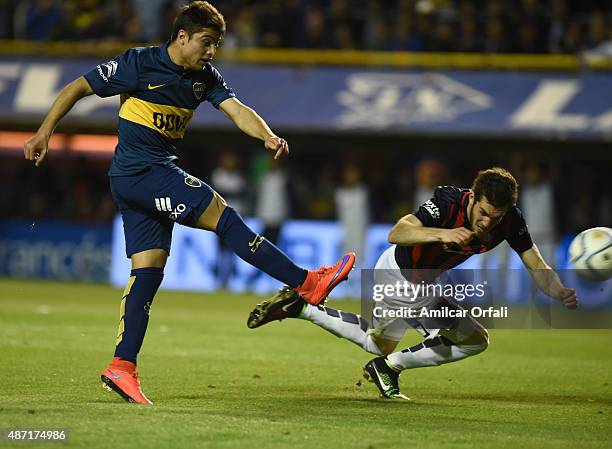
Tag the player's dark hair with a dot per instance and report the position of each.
(196, 16)
(498, 186)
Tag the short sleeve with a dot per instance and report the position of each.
(119, 75)
(433, 212)
(518, 234)
(218, 91)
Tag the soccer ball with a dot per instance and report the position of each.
(591, 254)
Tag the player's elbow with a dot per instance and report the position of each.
(403, 231)
(395, 235)
(399, 232)
(392, 239)
(392, 236)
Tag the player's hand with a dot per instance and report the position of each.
(278, 145)
(460, 236)
(36, 148)
(568, 297)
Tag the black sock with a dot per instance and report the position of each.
(256, 250)
(135, 306)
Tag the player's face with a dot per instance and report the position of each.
(199, 48)
(484, 216)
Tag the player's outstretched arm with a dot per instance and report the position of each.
(252, 124)
(409, 231)
(547, 279)
(35, 149)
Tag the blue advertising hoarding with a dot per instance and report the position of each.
(55, 250)
(545, 104)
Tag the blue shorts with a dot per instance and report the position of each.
(152, 200)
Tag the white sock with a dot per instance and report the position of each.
(432, 352)
(346, 325)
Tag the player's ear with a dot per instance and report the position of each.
(182, 37)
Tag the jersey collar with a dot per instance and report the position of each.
(165, 57)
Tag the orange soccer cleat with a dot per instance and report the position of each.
(121, 377)
(319, 283)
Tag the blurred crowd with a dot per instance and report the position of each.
(556, 197)
(492, 26)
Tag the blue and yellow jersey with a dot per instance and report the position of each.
(157, 102)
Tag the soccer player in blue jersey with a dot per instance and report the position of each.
(443, 232)
(160, 87)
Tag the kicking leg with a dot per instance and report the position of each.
(313, 285)
(249, 246)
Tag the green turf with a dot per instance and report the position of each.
(217, 384)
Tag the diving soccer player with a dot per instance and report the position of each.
(160, 87)
(449, 228)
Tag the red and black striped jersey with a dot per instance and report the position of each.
(448, 209)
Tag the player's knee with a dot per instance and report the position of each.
(209, 219)
(155, 258)
(478, 342)
(483, 338)
(225, 222)
(477, 349)
(478, 336)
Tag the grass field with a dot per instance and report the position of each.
(217, 384)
